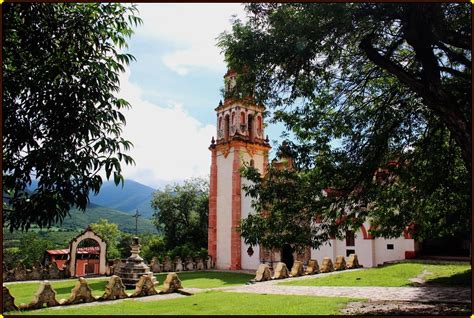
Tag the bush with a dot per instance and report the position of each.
(11, 257)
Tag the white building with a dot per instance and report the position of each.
(240, 139)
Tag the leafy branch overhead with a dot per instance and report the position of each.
(62, 116)
(366, 89)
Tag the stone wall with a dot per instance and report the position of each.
(281, 271)
(38, 272)
(81, 293)
(51, 272)
(179, 265)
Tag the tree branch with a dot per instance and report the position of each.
(454, 56)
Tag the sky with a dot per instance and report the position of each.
(173, 87)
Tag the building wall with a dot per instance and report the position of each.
(370, 252)
(224, 208)
(59, 262)
(81, 266)
(250, 262)
(400, 246)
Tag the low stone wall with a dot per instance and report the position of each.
(281, 271)
(178, 265)
(82, 293)
(38, 272)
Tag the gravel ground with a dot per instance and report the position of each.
(406, 308)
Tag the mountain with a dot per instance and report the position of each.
(132, 196)
(80, 220)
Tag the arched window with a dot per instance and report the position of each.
(250, 127)
(259, 122)
(226, 128)
(233, 118)
(252, 163)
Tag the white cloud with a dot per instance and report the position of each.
(169, 144)
(192, 28)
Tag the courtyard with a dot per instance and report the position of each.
(423, 288)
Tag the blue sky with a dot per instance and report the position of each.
(173, 88)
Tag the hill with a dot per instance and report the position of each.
(126, 223)
(132, 196)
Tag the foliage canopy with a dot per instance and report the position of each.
(181, 211)
(61, 116)
(378, 98)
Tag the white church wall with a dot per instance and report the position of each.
(340, 248)
(400, 245)
(224, 209)
(364, 250)
(370, 252)
(249, 262)
(325, 250)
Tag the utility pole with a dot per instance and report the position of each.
(136, 215)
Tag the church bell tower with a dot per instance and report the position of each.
(240, 139)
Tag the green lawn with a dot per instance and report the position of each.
(213, 303)
(23, 292)
(209, 279)
(395, 275)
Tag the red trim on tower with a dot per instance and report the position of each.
(235, 242)
(212, 227)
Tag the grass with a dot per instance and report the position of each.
(209, 279)
(214, 303)
(396, 275)
(23, 292)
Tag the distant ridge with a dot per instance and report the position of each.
(80, 220)
(132, 196)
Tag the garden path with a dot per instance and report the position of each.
(415, 294)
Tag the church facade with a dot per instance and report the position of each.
(241, 140)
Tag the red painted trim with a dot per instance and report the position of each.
(408, 231)
(365, 234)
(235, 242)
(410, 254)
(212, 227)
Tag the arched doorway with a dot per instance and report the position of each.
(287, 255)
(87, 258)
(87, 243)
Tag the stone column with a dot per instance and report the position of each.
(235, 241)
(212, 226)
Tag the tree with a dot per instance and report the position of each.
(350, 57)
(182, 212)
(110, 233)
(32, 249)
(153, 247)
(61, 116)
(367, 90)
